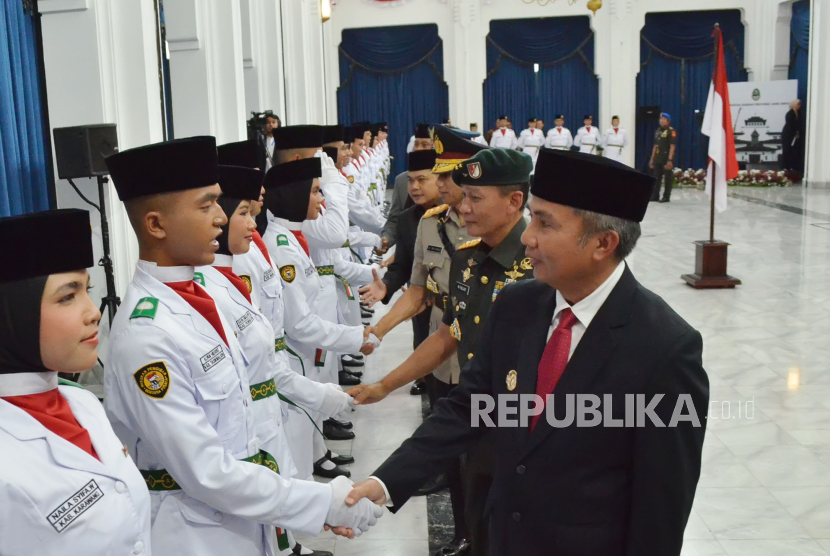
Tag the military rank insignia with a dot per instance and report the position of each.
(282, 239)
(455, 330)
(288, 273)
(525, 264)
(511, 380)
(247, 279)
(153, 379)
(467, 274)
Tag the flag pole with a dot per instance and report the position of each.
(716, 34)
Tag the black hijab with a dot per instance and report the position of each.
(288, 188)
(20, 303)
(238, 183)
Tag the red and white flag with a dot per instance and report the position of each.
(717, 125)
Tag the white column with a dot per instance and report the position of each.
(101, 62)
(302, 29)
(465, 65)
(206, 59)
(262, 56)
(818, 95)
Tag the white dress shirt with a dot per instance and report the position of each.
(587, 309)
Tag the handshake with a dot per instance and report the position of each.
(352, 513)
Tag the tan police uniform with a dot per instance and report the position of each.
(440, 232)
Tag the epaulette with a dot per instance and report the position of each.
(436, 210)
(146, 307)
(471, 243)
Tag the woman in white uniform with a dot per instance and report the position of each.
(67, 484)
(615, 141)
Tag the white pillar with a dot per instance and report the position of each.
(302, 28)
(206, 73)
(465, 65)
(262, 56)
(101, 65)
(818, 95)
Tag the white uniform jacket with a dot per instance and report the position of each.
(309, 333)
(559, 138)
(256, 338)
(588, 139)
(531, 140)
(56, 499)
(180, 399)
(504, 138)
(361, 211)
(330, 230)
(614, 142)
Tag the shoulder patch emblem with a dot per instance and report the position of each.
(436, 210)
(288, 273)
(199, 278)
(282, 239)
(247, 279)
(145, 307)
(471, 243)
(153, 379)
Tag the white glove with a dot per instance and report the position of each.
(336, 401)
(359, 518)
(330, 172)
(372, 339)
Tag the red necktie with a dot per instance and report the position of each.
(559, 130)
(503, 132)
(200, 300)
(235, 280)
(615, 130)
(554, 359)
(301, 238)
(589, 129)
(53, 412)
(261, 246)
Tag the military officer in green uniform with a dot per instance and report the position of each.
(662, 158)
(495, 184)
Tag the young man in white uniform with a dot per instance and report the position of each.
(615, 141)
(559, 137)
(587, 138)
(531, 140)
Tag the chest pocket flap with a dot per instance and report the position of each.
(222, 398)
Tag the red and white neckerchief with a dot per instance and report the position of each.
(559, 129)
(615, 130)
(503, 131)
(588, 128)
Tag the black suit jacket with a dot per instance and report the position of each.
(576, 491)
(400, 271)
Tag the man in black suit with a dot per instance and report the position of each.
(583, 326)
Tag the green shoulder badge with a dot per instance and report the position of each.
(145, 307)
(288, 273)
(282, 239)
(199, 278)
(153, 379)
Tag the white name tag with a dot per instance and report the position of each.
(74, 507)
(245, 321)
(212, 358)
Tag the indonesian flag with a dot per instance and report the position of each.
(717, 125)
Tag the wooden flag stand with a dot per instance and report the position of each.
(710, 255)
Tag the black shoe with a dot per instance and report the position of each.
(653, 200)
(332, 432)
(437, 484)
(365, 315)
(456, 548)
(330, 473)
(298, 550)
(664, 201)
(349, 362)
(345, 379)
(417, 389)
(356, 356)
(340, 424)
(340, 459)
(356, 374)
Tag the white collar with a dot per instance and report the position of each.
(166, 274)
(223, 260)
(587, 309)
(24, 384)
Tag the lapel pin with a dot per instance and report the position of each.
(512, 378)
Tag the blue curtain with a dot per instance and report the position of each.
(676, 65)
(565, 83)
(396, 75)
(23, 163)
(800, 47)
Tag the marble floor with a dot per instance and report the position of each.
(765, 484)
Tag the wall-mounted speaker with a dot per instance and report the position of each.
(80, 151)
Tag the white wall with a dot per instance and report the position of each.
(463, 25)
(101, 65)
